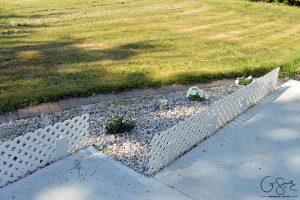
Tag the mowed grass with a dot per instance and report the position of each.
(53, 49)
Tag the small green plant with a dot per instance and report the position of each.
(119, 124)
(104, 150)
(196, 97)
(196, 94)
(245, 81)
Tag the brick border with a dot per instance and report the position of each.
(66, 104)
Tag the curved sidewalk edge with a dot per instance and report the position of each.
(88, 174)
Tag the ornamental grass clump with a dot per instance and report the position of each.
(119, 124)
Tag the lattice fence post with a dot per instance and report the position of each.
(270, 86)
(171, 152)
(61, 148)
(244, 104)
(273, 79)
(213, 123)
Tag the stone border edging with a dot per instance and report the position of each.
(66, 104)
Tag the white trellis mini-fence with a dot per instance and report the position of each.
(31, 151)
(170, 144)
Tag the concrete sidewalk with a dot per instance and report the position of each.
(88, 175)
(231, 164)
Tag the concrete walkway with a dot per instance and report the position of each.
(231, 164)
(88, 175)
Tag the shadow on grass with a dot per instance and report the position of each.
(204, 77)
(80, 84)
(13, 27)
(56, 53)
(9, 16)
(33, 74)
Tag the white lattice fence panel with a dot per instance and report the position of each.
(170, 144)
(75, 131)
(31, 151)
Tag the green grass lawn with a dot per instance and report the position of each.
(53, 49)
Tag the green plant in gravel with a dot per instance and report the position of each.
(119, 124)
(245, 81)
(196, 98)
(196, 94)
(104, 150)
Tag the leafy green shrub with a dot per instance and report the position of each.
(289, 2)
(119, 124)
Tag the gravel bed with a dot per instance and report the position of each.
(129, 148)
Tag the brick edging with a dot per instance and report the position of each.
(66, 104)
